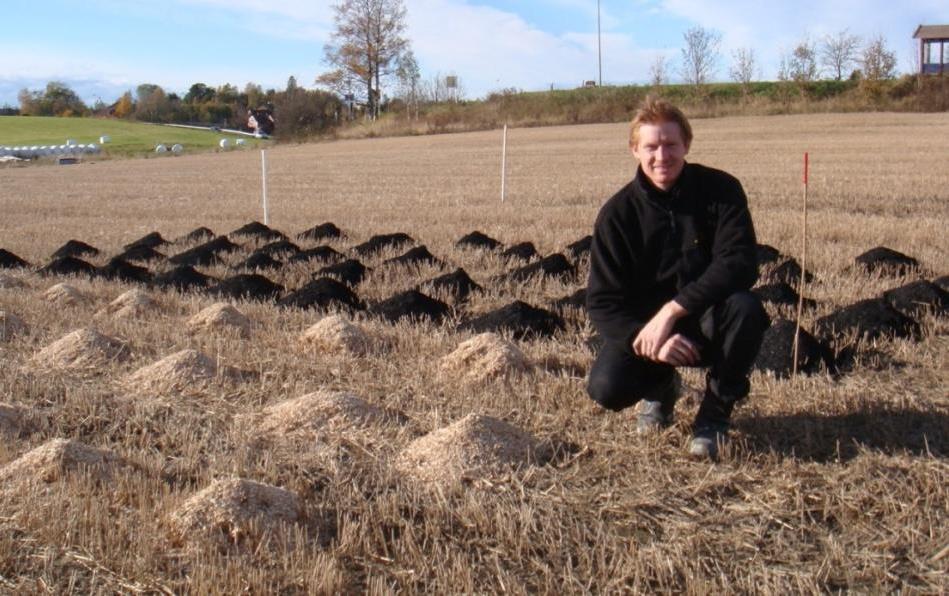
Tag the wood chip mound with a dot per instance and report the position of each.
(131, 304)
(185, 369)
(54, 460)
(322, 412)
(14, 420)
(336, 334)
(64, 294)
(484, 357)
(11, 282)
(235, 512)
(220, 317)
(11, 325)
(474, 448)
(82, 349)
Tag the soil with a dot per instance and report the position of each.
(257, 230)
(478, 239)
(183, 278)
(279, 248)
(915, 298)
(382, 241)
(887, 261)
(205, 254)
(260, 260)
(942, 282)
(324, 293)
(350, 271)
(580, 248)
(519, 318)
(8, 260)
(789, 271)
(321, 232)
(781, 293)
(457, 283)
(523, 250)
(150, 240)
(417, 255)
(319, 253)
(248, 286)
(868, 319)
(141, 253)
(555, 265)
(118, 269)
(765, 253)
(777, 351)
(75, 248)
(201, 234)
(68, 266)
(411, 304)
(576, 300)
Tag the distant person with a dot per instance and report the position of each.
(672, 262)
(261, 121)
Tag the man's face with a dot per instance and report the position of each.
(661, 153)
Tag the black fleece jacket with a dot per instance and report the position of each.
(694, 244)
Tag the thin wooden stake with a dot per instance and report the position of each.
(800, 287)
(503, 161)
(263, 176)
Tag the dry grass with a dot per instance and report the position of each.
(831, 484)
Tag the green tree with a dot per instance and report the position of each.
(199, 93)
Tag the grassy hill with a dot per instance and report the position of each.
(127, 138)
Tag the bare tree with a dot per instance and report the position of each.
(659, 71)
(839, 52)
(802, 63)
(365, 46)
(877, 61)
(700, 55)
(410, 77)
(744, 66)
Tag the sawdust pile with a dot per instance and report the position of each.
(483, 357)
(83, 349)
(14, 420)
(322, 412)
(58, 458)
(335, 334)
(11, 325)
(474, 448)
(236, 512)
(131, 304)
(11, 282)
(187, 369)
(220, 317)
(64, 295)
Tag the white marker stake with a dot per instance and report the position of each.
(263, 176)
(503, 161)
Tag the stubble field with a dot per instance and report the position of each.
(380, 481)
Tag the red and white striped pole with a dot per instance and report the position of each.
(800, 288)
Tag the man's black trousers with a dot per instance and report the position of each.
(728, 336)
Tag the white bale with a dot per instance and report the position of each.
(177, 149)
(161, 148)
(92, 148)
(224, 143)
(61, 149)
(104, 139)
(4, 151)
(70, 142)
(240, 142)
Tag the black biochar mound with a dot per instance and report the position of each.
(140, 253)
(324, 292)
(478, 239)
(319, 253)
(411, 304)
(576, 300)
(75, 248)
(247, 287)
(418, 255)
(788, 272)
(522, 250)
(765, 253)
(555, 265)
(69, 266)
(205, 254)
(915, 298)
(183, 278)
(350, 271)
(321, 232)
(8, 260)
(201, 234)
(777, 351)
(457, 283)
(257, 230)
(886, 261)
(868, 319)
(942, 282)
(260, 260)
(781, 293)
(381, 241)
(519, 318)
(150, 240)
(122, 270)
(580, 248)
(279, 248)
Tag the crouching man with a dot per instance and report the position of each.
(672, 263)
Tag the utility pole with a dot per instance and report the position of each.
(599, 43)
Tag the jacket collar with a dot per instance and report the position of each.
(651, 191)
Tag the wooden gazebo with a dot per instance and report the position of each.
(933, 48)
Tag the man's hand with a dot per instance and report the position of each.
(655, 334)
(679, 351)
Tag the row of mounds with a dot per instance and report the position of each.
(521, 250)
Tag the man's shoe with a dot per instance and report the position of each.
(658, 411)
(707, 442)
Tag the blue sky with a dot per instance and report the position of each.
(104, 47)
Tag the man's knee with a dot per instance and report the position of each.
(746, 310)
(608, 392)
